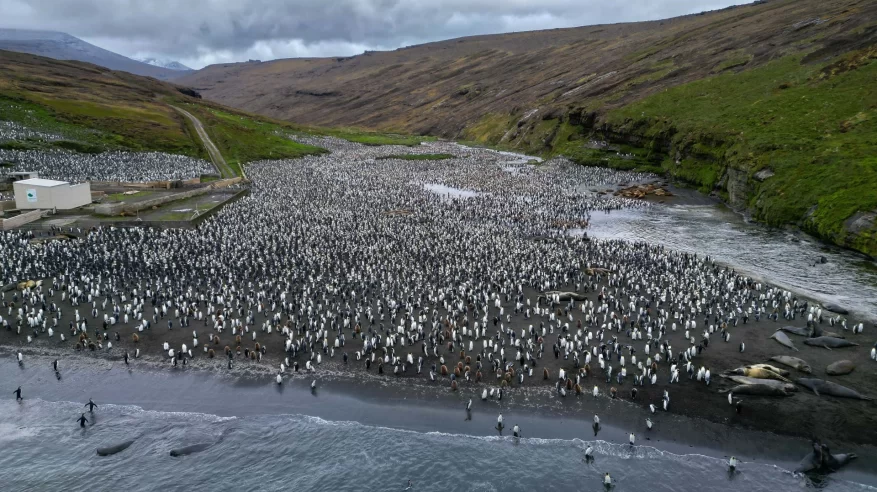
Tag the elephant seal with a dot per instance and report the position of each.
(194, 448)
(781, 372)
(770, 382)
(564, 296)
(820, 387)
(834, 308)
(795, 330)
(759, 389)
(817, 331)
(758, 373)
(197, 448)
(820, 460)
(829, 342)
(840, 368)
(118, 448)
(783, 339)
(793, 362)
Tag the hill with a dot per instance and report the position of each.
(169, 64)
(87, 108)
(62, 46)
(770, 105)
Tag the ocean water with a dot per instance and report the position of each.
(289, 438)
(44, 449)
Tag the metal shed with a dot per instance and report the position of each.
(38, 193)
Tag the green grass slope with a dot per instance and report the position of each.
(93, 109)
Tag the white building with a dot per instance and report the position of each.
(49, 194)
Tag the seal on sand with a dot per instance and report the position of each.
(821, 387)
(840, 368)
(793, 362)
(783, 339)
(829, 342)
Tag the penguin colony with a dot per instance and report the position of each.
(106, 166)
(348, 258)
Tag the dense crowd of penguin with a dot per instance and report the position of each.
(11, 131)
(107, 166)
(349, 259)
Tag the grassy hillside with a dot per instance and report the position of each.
(771, 105)
(92, 109)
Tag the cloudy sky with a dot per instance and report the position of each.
(201, 32)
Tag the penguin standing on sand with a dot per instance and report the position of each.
(126, 357)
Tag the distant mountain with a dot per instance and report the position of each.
(169, 64)
(62, 46)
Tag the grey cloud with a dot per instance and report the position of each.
(229, 30)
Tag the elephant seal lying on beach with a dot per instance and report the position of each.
(793, 362)
(797, 330)
(781, 372)
(820, 387)
(783, 339)
(564, 296)
(829, 342)
(768, 382)
(834, 308)
(820, 460)
(118, 448)
(840, 368)
(761, 389)
(757, 373)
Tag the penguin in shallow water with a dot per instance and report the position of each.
(649, 424)
(589, 454)
(732, 464)
(55, 365)
(607, 480)
(631, 439)
(18, 394)
(499, 425)
(516, 431)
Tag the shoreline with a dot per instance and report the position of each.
(344, 397)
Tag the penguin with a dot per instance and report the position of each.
(91, 405)
(516, 431)
(607, 480)
(18, 394)
(279, 379)
(631, 439)
(742, 347)
(20, 359)
(730, 398)
(499, 425)
(649, 424)
(732, 464)
(82, 420)
(589, 454)
(469, 405)
(314, 385)
(55, 365)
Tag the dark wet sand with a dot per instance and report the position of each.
(835, 420)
